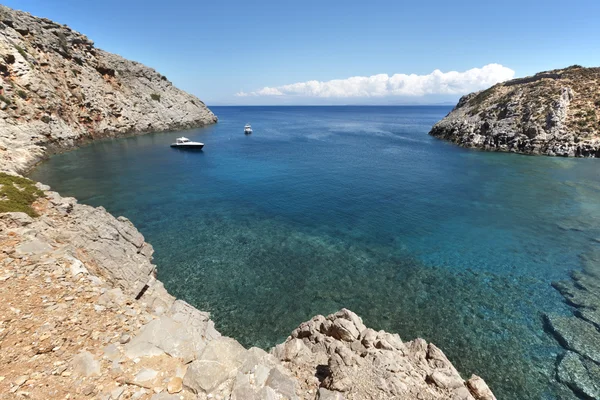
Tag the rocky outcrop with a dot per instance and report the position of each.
(553, 113)
(58, 90)
(339, 357)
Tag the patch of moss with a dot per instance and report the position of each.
(4, 99)
(22, 94)
(155, 96)
(17, 194)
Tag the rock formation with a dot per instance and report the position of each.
(58, 90)
(553, 113)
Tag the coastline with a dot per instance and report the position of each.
(83, 313)
(81, 241)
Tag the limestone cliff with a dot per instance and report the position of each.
(58, 90)
(553, 113)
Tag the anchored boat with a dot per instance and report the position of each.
(247, 129)
(185, 143)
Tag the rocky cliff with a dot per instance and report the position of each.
(553, 113)
(58, 90)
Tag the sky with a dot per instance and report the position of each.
(336, 52)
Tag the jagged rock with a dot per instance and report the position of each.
(550, 113)
(85, 364)
(282, 384)
(16, 219)
(349, 358)
(479, 389)
(581, 375)
(577, 335)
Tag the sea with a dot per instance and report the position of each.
(358, 207)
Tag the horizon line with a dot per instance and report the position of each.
(331, 105)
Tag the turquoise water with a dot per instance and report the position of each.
(357, 207)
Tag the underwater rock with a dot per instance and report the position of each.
(577, 335)
(581, 375)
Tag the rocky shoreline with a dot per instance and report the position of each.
(83, 315)
(554, 113)
(59, 91)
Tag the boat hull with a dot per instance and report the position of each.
(188, 146)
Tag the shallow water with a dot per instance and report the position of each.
(357, 207)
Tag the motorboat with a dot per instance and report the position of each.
(247, 129)
(185, 143)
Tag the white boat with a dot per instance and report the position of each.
(185, 143)
(247, 129)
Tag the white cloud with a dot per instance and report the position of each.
(381, 85)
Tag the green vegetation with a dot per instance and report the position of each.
(4, 99)
(17, 194)
(22, 94)
(21, 51)
(155, 96)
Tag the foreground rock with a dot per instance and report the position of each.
(58, 90)
(340, 354)
(553, 113)
(83, 315)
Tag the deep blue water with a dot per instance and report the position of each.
(357, 207)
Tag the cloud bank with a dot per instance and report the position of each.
(382, 85)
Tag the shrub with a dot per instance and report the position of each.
(4, 99)
(155, 96)
(22, 94)
(21, 51)
(17, 194)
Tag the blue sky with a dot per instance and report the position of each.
(218, 49)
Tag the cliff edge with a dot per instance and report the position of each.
(553, 113)
(58, 90)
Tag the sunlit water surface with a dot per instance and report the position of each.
(356, 207)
